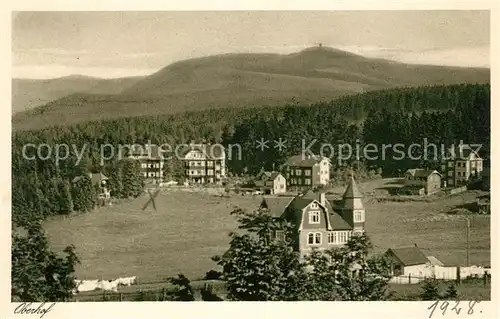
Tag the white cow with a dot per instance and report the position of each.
(126, 281)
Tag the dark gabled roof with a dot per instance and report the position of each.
(352, 190)
(276, 205)
(336, 203)
(303, 161)
(208, 150)
(409, 256)
(420, 172)
(293, 206)
(269, 176)
(273, 175)
(96, 178)
(151, 151)
(265, 173)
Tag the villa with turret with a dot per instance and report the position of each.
(320, 223)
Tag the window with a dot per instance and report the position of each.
(450, 164)
(310, 239)
(307, 181)
(342, 237)
(314, 205)
(191, 172)
(151, 166)
(450, 173)
(358, 216)
(307, 172)
(332, 237)
(282, 186)
(210, 164)
(298, 172)
(314, 239)
(317, 238)
(314, 217)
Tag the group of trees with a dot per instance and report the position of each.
(38, 274)
(261, 267)
(443, 115)
(41, 189)
(42, 185)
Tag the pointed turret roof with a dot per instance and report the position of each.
(352, 190)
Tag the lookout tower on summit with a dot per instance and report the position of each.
(353, 209)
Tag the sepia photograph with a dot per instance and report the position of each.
(251, 156)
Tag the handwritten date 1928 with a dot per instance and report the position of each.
(452, 306)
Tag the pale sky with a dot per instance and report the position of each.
(116, 44)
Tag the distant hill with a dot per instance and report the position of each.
(245, 80)
(30, 93)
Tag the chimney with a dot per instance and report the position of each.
(322, 198)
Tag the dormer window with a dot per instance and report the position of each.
(314, 217)
(314, 205)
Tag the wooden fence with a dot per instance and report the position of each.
(202, 290)
(444, 273)
(452, 191)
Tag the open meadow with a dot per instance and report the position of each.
(181, 236)
(189, 228)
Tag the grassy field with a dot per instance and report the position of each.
(189, 228)
(123, 240)
(467, 290)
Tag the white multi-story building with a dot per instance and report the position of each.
(205, 163)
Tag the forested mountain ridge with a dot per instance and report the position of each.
(440, 114)
(313, 75)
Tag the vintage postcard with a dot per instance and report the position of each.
(330, 155)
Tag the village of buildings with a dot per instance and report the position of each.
(297, 192)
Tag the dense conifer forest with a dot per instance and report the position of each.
(440, 114)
